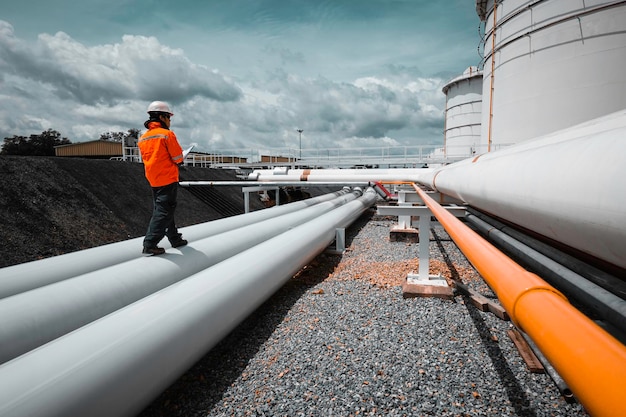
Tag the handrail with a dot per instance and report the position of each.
(590, 360)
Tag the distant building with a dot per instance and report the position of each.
(105, 149)
(278, 159)
(96, 149)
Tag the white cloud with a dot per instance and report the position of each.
(137, 68)
(82, 91)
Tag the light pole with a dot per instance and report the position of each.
(300, 132)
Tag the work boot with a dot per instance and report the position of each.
(178, 243)
(155, 250)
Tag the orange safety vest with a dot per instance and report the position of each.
(161, 153)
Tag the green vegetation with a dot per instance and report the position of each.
(36, 145)
(43, 144)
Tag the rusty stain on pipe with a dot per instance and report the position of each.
(590, 360)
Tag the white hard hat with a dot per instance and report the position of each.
(159, 106)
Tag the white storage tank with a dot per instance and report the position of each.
(463, 114)
(553, 64)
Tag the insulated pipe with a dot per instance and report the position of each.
(591, 361)
(19, 278)
(609, 282)
(322, 175)
(115, 366)
(566, 186)
(276, 183)
(605, 304)
(303, 184)
(408, 176)
(330, 172)
(35, 317)
(547, 366)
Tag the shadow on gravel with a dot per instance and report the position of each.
(515, 393)
(204, 385)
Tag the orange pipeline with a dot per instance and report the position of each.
(590, 360)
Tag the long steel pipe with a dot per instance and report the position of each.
(118, 364)
(599, 301)
(326, 175)
(24, 277)
(567, 186)
(603, 279)
(35, 317)
(591, 361)
(275, 183)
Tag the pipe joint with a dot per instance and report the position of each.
(514, 313)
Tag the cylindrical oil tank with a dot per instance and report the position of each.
(552, 64)
(463, 114)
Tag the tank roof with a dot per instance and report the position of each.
(470, 72)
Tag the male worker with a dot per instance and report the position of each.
(161, 154)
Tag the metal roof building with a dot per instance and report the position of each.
(94, 149)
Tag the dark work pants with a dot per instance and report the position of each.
(162, 221)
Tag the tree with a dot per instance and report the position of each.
(121, 136)
(112, 136)
(134, 133)
(37, 145)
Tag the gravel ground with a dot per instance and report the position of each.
(339, 339)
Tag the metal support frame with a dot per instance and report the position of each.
(253, 186)
(424, 215)
(412, 197)
(247, 190)
(404, 220)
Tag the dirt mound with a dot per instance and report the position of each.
(50, 206)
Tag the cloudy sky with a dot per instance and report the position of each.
(237, 73)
